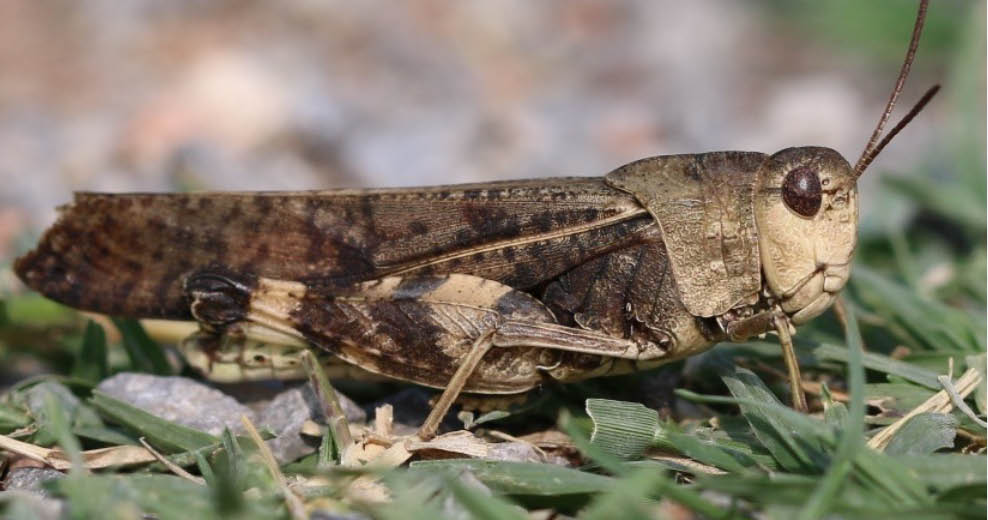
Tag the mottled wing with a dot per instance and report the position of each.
(129, 253)
(703, 203)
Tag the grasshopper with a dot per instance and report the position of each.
(483, 288)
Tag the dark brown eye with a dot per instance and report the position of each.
(801, 191)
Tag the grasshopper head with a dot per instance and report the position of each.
(806, 211)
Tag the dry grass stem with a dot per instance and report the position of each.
(940, 402)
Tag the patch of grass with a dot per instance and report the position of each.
(750, 451)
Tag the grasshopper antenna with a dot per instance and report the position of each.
(874, 146)
(866, 158)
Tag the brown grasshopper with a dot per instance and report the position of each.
(485, 288)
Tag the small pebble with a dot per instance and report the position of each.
(31, 480)
(287, 412)
(180, 400)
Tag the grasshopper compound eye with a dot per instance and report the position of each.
(801, 191)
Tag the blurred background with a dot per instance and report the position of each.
(304, 94)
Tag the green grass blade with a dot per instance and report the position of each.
(145, 355)
(952, 201)
(881, 363)
(924, 434)
(890, 480)
(523, 478)
(480, 505)
(328, 454)
(628, 500)
(852, 438)
(980, 363)
(704, 451)
(934, 325)
(799, 422)
(58, 422)
(205, 469)
(91, 362)
(795, 444)
(164, 497)
(944, 471)
(162, 434)
(594, 453)
(228, 476)
(663, 486)
(103, 434)
(622, 429)
(416, 495)
(32, 398)
(12, 417)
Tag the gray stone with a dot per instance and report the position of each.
(180, 400)
(24, 504)
(287, 412)
(513, 451)
(31, 480)
(255, 394)
(34, 397)
(283, 407)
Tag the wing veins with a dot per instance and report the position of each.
(582, 228)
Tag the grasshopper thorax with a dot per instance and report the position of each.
(806, 212)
